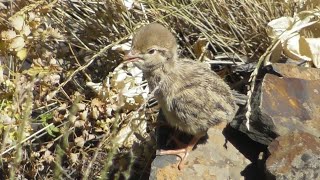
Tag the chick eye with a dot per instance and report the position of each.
(151, 51)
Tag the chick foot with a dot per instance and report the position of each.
(183, 151)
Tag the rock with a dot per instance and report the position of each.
(293, 71)
(210, 160)
(284, 104)
(294, 156)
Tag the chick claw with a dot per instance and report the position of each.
(182, 153)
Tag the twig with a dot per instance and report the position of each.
(265, 58)
(26, 139)
(81, 68)
(253, 78)
(221, 62)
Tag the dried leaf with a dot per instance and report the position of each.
(16, 22)
(123, 135)
(17, 44)
(8, 35)
(37, 71)
(99, 104)
(314, 29)
(120, 76)
(52, 79)
(90, 137)
(26, 30)
(79, 141)
(72, 118)
(128, 3)
(22, 54)
(6, 120)
(276, 53)
(278, 26)
(81, 106)
(96, 87)
(293, 48)
(48, 157)
(51, 95)
(139, 99)
(200, 49)
(95, 113)
(122, 47)
(52, 62)
(109, 111)
(79, 123)
(288, 29)
(32, 16)
(50, 144)
(54, 33)
(84, 115)
(74, 157)
(314, 49)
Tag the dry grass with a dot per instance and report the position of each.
(76, 142)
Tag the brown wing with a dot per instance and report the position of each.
(202, 100)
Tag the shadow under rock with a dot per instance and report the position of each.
(133, 165)
(251, 150)
(165, 133)
(2, 176)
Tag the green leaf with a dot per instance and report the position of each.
(37, 71)
(44, 118)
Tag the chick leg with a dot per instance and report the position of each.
(183, 152)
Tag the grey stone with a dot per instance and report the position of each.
(294, 156)
(294, 71)
(209, 160)
(284, 104)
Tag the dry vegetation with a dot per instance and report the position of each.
(54, 126)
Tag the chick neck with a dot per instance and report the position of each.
(158, 73)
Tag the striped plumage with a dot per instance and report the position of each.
(192, 97)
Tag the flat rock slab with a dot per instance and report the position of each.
(209, 160)
(291, 104)
(294, 156)
(294, 71)
(285, 104)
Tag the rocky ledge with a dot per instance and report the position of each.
(287, 99)
(283, 141)
(213, 158)
(294, 156)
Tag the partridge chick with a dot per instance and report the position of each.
(192, 97)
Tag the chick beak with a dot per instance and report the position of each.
(132, 57)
